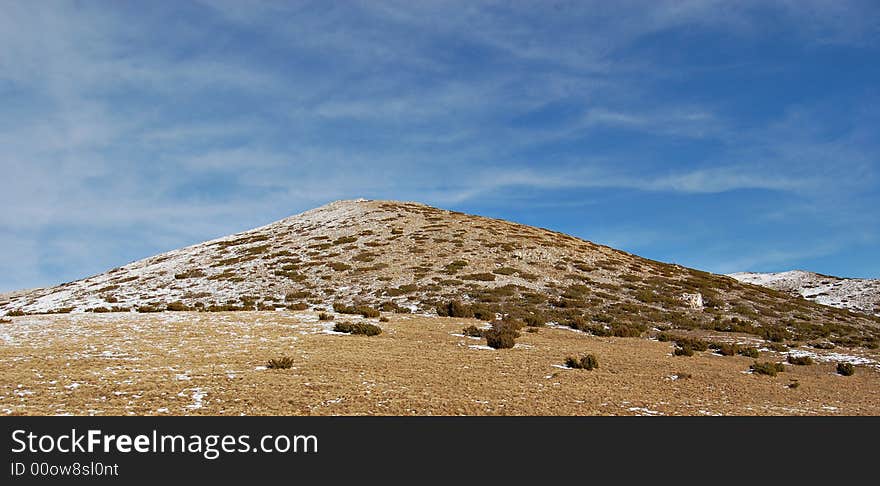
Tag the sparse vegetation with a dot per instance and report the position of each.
(323, 316)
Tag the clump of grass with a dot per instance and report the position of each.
(588, 362)
(767, 368)
(383, 319)
(800, 360)
(5, 321)
(846, 369)
(16, 313)
(323, 316)
(280, 363)
(299, 306)
(148, 309)
(358, 328)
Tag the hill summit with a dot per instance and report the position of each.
(409, 257)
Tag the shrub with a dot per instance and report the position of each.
(302, 294)
(364, 310)
(358, 328)
(750, 352)
(727, 349)
(778, 347)
(367, 311)
(684, 350)
(626, 330)
(774, 335)
(502, 335)
(299, 306)
(482, 312)
(98, 310)
(325, 316)
(193, 273)
(846, 369)
(383, 319)
(455, 266)
(5, 321)
(800, 360)
(823, 345)
(693, 343)
(148, 309)
(16, 313)
(454, 309)
(767, 368)
(587, 362)
(176, 307)
(482, 277)
(664, 337)
(472, 331)
(280, 363)
(344, 240)
(535, 321)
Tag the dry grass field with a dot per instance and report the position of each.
(187, 363)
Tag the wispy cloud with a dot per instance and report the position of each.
(164, 126)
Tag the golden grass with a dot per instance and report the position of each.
(145, 364)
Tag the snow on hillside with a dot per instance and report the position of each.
(862, 295)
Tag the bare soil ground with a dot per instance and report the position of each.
(186, 363)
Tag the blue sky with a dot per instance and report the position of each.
(725, 136)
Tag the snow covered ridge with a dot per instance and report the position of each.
(856, 294)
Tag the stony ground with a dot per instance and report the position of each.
(186, 363)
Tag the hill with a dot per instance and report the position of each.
(408, 257)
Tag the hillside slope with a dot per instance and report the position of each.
(857, 294)
(409, 257)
